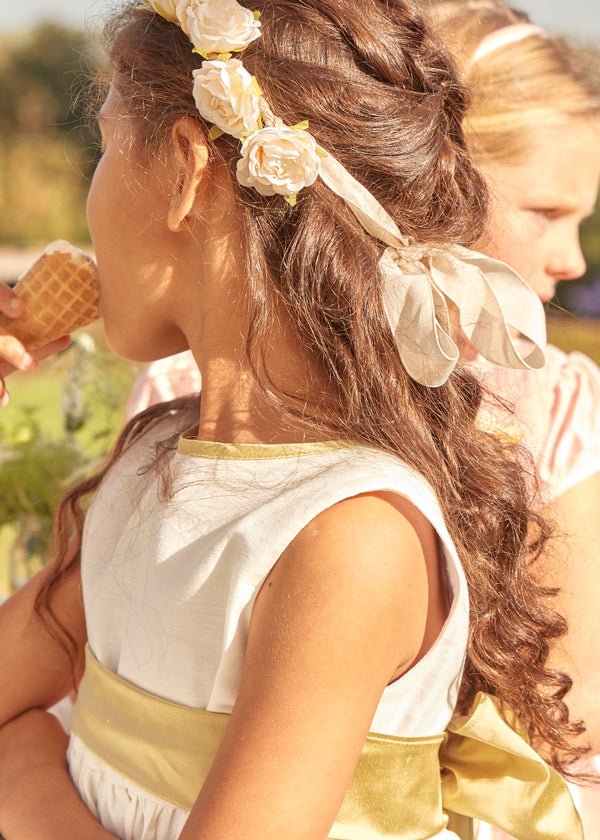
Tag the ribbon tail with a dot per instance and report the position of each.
(491, 773)
(369, 212)
(492, 299)
(427, 352)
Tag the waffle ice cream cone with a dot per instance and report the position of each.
(59, 294)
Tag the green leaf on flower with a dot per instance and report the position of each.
(254, 88)
(215, 132)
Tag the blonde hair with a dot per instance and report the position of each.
(519, 86)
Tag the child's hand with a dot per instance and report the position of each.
(37, 797)
(13, 354)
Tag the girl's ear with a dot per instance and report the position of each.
(191, 153)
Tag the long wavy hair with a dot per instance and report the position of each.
(382, 96)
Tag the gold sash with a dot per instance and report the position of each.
(488, 771)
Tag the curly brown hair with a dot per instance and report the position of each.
(381, 95)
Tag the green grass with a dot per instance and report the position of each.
(39, 392)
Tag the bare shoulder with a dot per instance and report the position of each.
(379, 534)
(35, 669)
(364, 568)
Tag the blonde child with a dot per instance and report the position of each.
(533, 128)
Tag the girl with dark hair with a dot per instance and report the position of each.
(280, 596)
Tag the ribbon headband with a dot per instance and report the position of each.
(418, 280)
(504, 36)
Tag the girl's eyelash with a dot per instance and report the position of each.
(545, 212)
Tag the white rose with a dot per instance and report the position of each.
(217, 26)
(278, 160)
(165, 8)
(227, 95)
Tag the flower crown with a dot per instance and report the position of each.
(280, 159)
(274, 158)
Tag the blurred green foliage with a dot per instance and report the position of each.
(43, 452)
(35, 472)
(570, 332)
(35, 469)
(48, 147)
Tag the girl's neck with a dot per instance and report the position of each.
(235, 407)
(212, 314)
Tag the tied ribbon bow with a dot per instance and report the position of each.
(418, 281)
(491, 773)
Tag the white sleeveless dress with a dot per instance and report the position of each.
(169, 587)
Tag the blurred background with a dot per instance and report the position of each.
(49, 55)
(65, 416)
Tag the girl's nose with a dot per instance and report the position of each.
(568, 262)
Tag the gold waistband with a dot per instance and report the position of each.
(401, 789)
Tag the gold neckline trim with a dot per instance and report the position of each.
(216, 450)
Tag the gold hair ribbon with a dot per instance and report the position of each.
(401, 789)
(417, 279)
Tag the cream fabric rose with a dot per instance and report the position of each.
(278, 160)
(217, 26)
(227, 95)
(165, 8)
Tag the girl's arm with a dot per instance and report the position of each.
(575, 567)
(349, 606)
(35, 670)
(37, 796)
(38, 801)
